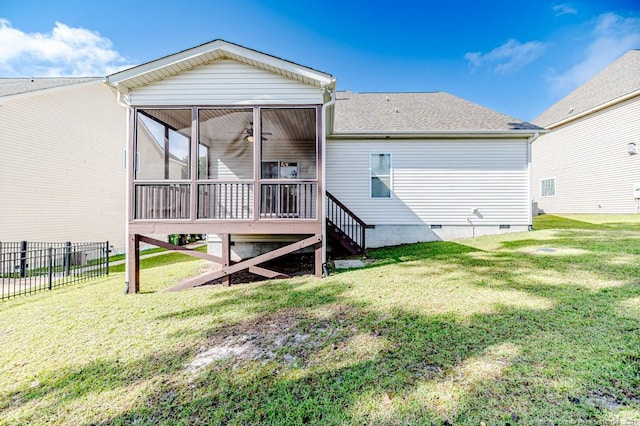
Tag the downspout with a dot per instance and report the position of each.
(530, 141)
(325, 123)
(127, 202)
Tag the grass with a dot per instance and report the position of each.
(532, 328)
(121, 256)
(164, 260)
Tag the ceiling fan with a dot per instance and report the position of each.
(249, 134)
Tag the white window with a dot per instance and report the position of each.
(380, 175)
(548, 187)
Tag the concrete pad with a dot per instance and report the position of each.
(348, 263)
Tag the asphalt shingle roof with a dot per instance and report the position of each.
(620, 78)
(417, 112)
(15, 86)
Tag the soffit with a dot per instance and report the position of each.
(219, 49)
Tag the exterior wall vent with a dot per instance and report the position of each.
(505, 226)
(436, 226)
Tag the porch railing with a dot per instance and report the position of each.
(346, 221)
(282, 200)
(225, 200)
(161, 201)
(30, 267)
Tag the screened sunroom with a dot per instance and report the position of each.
(226, 163)
(226, 141)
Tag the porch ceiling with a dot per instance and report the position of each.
(285, 124)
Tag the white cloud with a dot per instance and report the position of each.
(611, 36)
(509, 57)
(66, 51)
(565, 9)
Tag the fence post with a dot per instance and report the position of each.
(50, 266)
(23, 259)
(106, 255)
(67, 258)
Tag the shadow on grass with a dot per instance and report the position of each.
(420, 251)
(307, 354)
(102, 375)
(411, 368)
(357, 365)
(549, 221)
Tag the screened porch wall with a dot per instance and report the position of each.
(225, 183)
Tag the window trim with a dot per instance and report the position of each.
(554, 187)
(371, 197)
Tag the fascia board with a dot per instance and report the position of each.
(471, 134)
(97, 80)
(119, 78)
(595, 109)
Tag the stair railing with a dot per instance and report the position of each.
(344, 219)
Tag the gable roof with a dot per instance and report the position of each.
(618, 79)
(16, 86)
(414, 113)
(206, 53)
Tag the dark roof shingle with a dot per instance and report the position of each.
(15, 86)
(417, 112)
(619, 78)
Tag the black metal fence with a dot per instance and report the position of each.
(29, 267)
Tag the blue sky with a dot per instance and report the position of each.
(517, 57)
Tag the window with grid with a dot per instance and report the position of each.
(548, 187)
(380, 175)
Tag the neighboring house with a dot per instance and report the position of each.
(267, 138)
(61, 166)
(588, 162)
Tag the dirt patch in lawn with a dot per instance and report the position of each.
(553, 251)
(291, 337)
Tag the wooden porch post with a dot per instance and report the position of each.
(318, 259)
(133, 264)
(226, 256)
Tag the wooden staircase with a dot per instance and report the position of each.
(344, 227)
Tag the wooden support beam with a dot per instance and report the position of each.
(133, 264)
(267, 272)
(318, 259)
(226, 257)
(184, 250)
(246, 264)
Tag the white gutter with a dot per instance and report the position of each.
(529, 182)
(127, 190)
(443, 134)
(595, 109)
(325, 123)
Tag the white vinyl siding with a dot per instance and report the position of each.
(590, 162)
(435, 181)
(226, 82)
(61, 166)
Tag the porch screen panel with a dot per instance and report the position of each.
(289, 163)
(288, 139)
(163, 144)
(225, 144)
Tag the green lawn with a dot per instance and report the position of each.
(533, 328)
